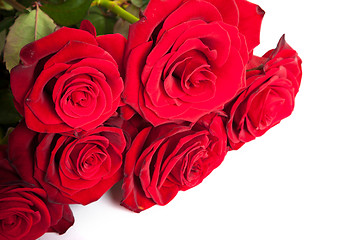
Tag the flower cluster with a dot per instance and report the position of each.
(157, 111)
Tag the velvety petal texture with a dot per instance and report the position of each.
(186, 59)
(269, 97)
(166, 159)
(25, 212)
(69, 80)
(71, 169)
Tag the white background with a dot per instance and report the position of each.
(301, 180)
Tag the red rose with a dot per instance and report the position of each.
(71, 170)
(186, 59)
(25, 212)
(269, 97)
(163, 160)
(69, 80)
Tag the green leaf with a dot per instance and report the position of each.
(121, 26)
(133, 10)
(69, 12)
(140, 3)
(23, 32)
(5, 6)
(8, 113)
(103, 24)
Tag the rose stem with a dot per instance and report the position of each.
(115, 8)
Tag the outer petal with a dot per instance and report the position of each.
(229, 11)
(21, 152)
(133, 196)
(115, 45)
(251, 16)
(63, 221)
(154, 14)
(132, 91)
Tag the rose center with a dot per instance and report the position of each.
(93, 161)
(89, 162)
(195, 169)
(79, 98)
(9, 222)
(195, 79)
(270, 111)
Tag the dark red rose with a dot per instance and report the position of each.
(25, 212)
(185, 59)
(71, 169)
(166, 159)
(269, 97)
(69, 80)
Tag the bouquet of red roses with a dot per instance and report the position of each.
(156, 111)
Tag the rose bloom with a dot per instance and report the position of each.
(269, 97)
(25, 212)
(185, 59)
(166, 159)
(69, 80)
(71, 170)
